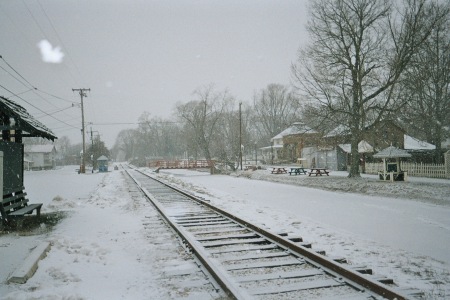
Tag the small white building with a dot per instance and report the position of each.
(40, 157)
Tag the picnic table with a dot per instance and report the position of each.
(318, 171)
(297, 171)
(277, 170)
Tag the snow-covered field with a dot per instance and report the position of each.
(111, 245)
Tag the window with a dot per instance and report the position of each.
(392, 167)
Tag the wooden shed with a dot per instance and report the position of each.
(16, 123)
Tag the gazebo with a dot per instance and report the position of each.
(391, 164)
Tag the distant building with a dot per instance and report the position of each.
(332, 150)
(41, 157)
(282, 146)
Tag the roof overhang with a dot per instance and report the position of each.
(392, 152)
(24, 121)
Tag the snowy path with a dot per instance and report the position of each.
(111, 246)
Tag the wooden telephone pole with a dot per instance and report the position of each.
(240, 134)
(82, 93)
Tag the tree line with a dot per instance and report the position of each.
(210, 126)
(367, 61)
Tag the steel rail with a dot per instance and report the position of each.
(350, 276)
(219, 276)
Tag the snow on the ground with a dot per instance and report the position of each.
(110, 245)
(401, 229)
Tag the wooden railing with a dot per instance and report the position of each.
(181, 164)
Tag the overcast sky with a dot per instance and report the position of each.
(138, 56)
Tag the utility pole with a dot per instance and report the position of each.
(93, 150)
(82, 93)
(240, 133)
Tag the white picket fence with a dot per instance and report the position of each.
(413, 169)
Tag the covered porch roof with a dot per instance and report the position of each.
(23, 121)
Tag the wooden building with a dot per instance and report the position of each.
(288, 144)
(332, 150)
(16, 123)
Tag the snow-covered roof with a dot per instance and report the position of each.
(24, 121)
(363, 147)
(39, 148)
(338, 131)
(392, 152)
(271, 147)
(415, 144)
(102, 158)
(295, 128)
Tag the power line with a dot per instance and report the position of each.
(35, 21)
(15, 72)
(57, 35)
(19, 29)
(45, 113)
(56, 111)
(135, 123)
(30, 85)
(62, 43)
(54, 96)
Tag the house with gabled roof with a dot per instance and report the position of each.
(332, 150)
(42, 157)
(288, 144)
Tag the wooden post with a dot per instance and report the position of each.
(1, 174)
(2, 211)
(447, 164)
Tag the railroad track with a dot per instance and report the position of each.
(249, 262)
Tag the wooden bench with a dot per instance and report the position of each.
(16, 204)
(319, 172)
(297, 171)
(278, 171)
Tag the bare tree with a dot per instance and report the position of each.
(275, 108)
(202, 117)
(125, 144)
(428, 82)
(62, 146)
(158, 137)
(226, 142)
(359, 52)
